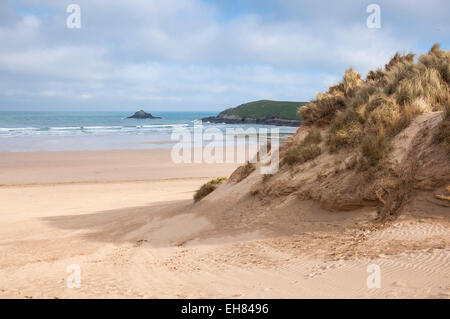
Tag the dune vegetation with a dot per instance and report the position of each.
(307, 150)
(208, 188)
(368, 114)
(242, 172)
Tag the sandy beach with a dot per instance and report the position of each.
(127, 219)
(99, 166)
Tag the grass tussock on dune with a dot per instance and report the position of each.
(208, 188)
(368, 114)
(305, 151)
(444, 131)
(242, 172)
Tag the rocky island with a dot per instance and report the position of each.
(142, 115)
(267, 112)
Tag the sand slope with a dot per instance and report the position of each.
(129, 242)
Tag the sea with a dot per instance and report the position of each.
(66, 131)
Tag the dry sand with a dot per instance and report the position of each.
(147, 239)
(99, 166)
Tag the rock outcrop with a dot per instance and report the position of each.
(269, 120)
(142, 115)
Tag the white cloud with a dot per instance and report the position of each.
(65, 63)
(190, 53)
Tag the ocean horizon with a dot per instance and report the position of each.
(98, 130)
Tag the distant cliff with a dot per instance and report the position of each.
(266, 112)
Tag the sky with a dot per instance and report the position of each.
(198, 55)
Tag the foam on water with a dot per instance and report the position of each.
(28, 131)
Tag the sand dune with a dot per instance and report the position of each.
(147, 239)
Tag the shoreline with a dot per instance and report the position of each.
(268, 121)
